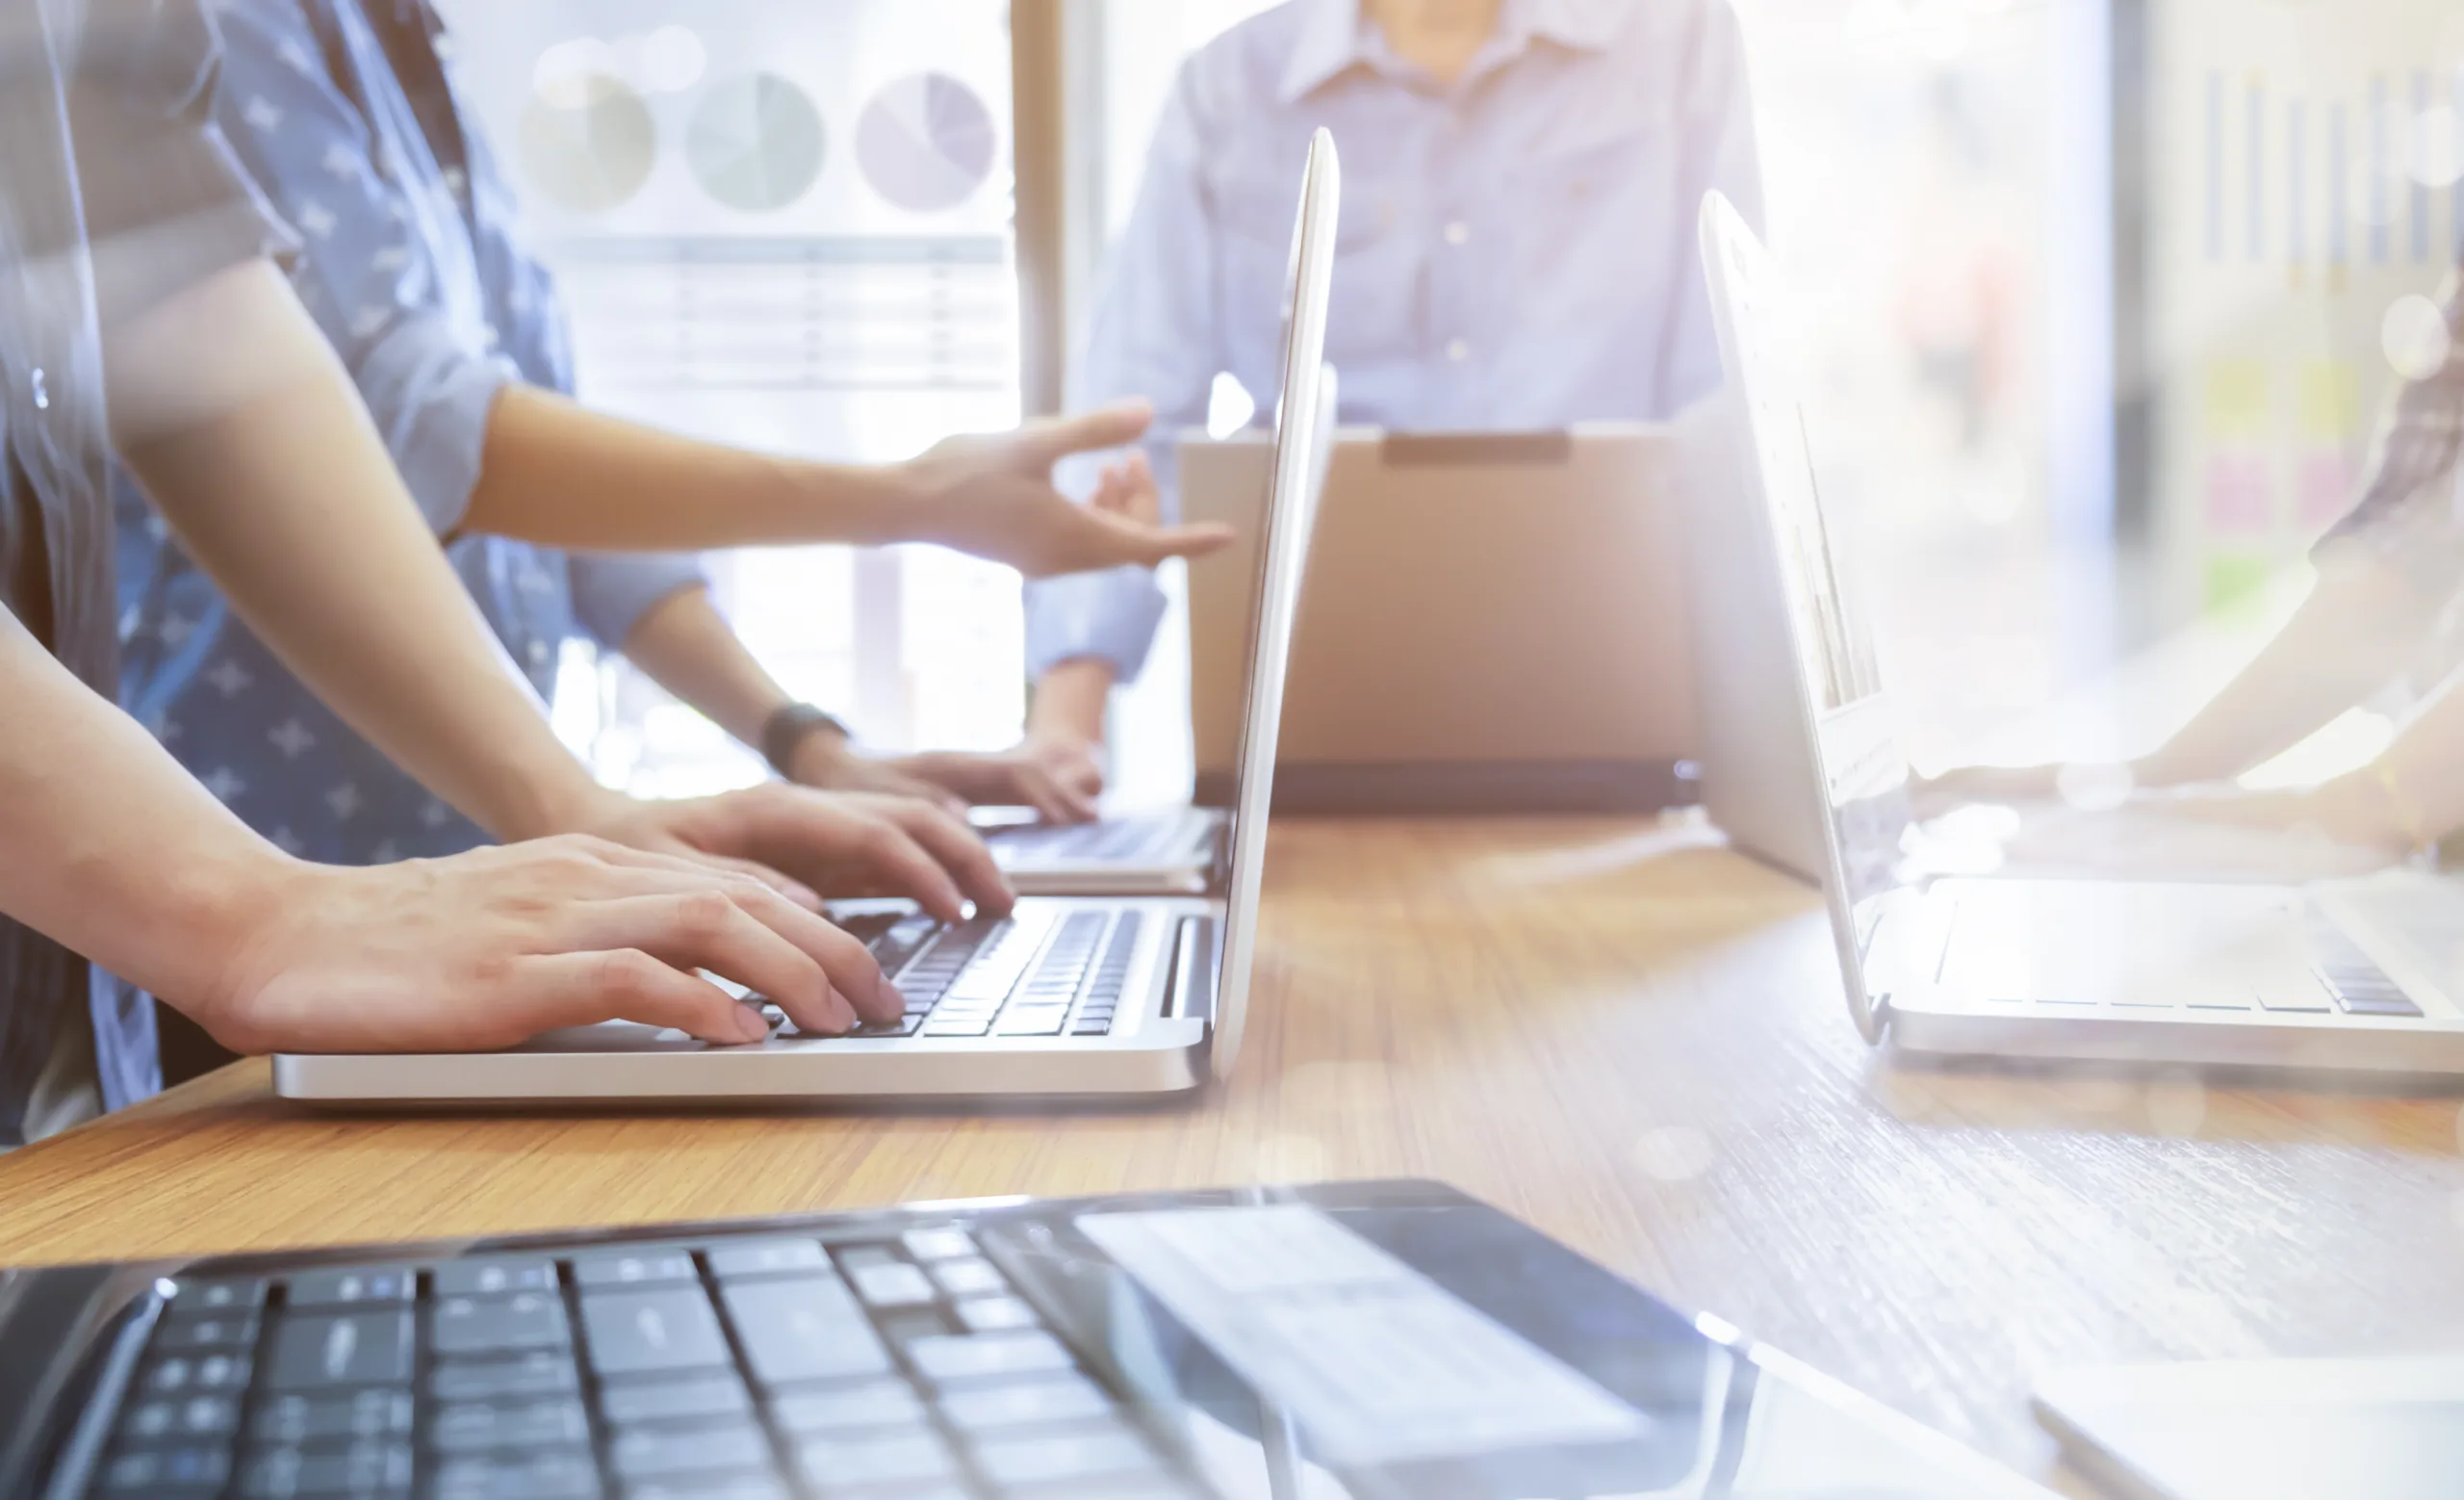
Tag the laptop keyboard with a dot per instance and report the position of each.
(1049, 975)
(727, 1369)
(1117, 839)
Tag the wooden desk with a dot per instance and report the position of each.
(1646, 1056)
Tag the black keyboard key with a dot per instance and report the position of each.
(653, 1332)
(151, 1472)
(200, 1417)
(719, 1487)
(1042, 1403)
(797, 1332)
(1056, 1458)
(900, 945)
(508, 1427)
(361, 1471)
(216, 1294)
(905, 1026)
(317, 1353)
(543, 1475)
(644, 1266)
(197, 1374)
(494, 1276)
(309, 1420)
(959, 1359)
(844, 1409)
(350, 1286)
(743, 1260)
(227, 1334)
(692, 1399)
(467, 1326)
(712, 1447)
(848, 1464)
(539, 1373)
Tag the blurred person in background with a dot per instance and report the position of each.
(411, 261)
(141, 313)
(2390, 576)
(1517, 251)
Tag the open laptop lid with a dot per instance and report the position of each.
(1843, 712)
(1303, 430)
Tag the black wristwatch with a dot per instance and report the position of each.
(787, 728)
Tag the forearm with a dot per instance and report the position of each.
(2347, 639)
(108, 846)
(1071, 698)
(557, 473)
(687, 646)
(243, 427)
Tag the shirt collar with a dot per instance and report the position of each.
(1335, 38)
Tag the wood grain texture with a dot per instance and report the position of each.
(1644, 1054)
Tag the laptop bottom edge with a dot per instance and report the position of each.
(2324, 1045)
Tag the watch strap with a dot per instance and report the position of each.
(784, 731)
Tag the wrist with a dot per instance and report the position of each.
(222, 920)
(821, 758)
(873, 505)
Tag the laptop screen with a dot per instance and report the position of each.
(1303, 427)
(1847, 715)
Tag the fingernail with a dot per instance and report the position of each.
(755, 1026)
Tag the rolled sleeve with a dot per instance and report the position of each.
(165, 203)
(418, 345)
(1110, 615)
(612, 593)
(431, 400)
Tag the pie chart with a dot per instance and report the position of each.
(756, 144)
(925, 143)
(587, 143)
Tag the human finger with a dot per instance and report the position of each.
(1054, 800)
(549, 990)
(679, 857)
(835, 832)
(1049, 440)
(707, 929)
(1135, 541)
(844, 960)
(958, 849)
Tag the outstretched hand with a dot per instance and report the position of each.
(993, 495)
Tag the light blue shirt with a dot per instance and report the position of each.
(413, 264)
(1516, 250)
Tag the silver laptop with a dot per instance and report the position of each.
(2360, 974)
(1158, 851)
(1493, 622)
(1065, 995)
(2389, 1428)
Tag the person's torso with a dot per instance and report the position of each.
(1510, 249)
(197, 676)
